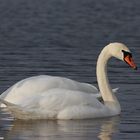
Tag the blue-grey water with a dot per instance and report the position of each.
(64, 38)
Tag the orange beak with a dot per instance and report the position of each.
(128, 59)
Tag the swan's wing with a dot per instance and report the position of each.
(29, 87)
(87, 88)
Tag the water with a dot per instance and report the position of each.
(64, 38)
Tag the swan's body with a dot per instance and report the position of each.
(48, 97)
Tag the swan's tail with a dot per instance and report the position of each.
(16, 111)
(6, 102)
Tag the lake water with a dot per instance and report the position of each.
(64, 38)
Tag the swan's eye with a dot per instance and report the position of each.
(125, 53)
(127, 56)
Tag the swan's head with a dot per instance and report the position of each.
(121, 52)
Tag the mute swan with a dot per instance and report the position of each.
(48, 97)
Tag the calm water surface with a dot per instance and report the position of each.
(64, 38)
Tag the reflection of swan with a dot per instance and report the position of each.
(47, 97)
(108, 129)
(64, 130)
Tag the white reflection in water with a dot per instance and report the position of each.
(108, 129)
(102, 129)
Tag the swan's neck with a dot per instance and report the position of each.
(103, 83)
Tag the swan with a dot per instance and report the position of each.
(50, 97)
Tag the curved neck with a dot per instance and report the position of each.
(101, 72)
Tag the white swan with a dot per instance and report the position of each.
(48, 97)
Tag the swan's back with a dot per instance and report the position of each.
(33, 86)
